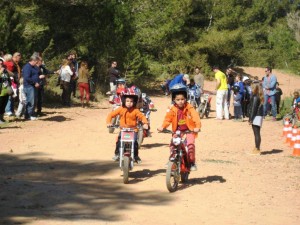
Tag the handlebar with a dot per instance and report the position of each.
(171, 132)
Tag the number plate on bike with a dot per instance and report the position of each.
(127, 135)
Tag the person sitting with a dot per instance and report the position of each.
(129, 115)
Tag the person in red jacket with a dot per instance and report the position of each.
(129, 115)
(183, 116)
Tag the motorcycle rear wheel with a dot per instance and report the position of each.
(112, 129)
(125, 169)
(172, 176)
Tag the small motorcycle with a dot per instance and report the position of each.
(192, 98)
(126, 152)
(204, 108)
(147, 108)
(178, 165)
(293, 117)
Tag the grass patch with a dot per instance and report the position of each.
(218, 161)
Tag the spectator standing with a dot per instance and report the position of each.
(199, 78)
(17, 68)
(230, 82)
(40, 91)
(222, 93)
(269, 87)
(8, 63)
(4, 83)
(31, 82)
(74, 67)
(114, 74)
(65, 76)
(83, 83)
(256, 113)
(22, 99)
(278, 96)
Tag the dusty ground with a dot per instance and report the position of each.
(58, 170)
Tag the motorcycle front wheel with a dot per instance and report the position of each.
(125, 169)
(172, 176)
(140, 137)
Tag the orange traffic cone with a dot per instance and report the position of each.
(289, 134)
(285, 127)
(296, 151)
(294, 136)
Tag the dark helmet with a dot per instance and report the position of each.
(236, 88)
(178, 89)
(120, 81)
(129, 93)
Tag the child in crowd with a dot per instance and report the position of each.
(183, 116)
(296, 99)
(22, 100)
(278, 96)
(237, 98)
(129, 115)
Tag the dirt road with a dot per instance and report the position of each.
(58, 170)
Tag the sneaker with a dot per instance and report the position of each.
(137, 160)
(274, 119)
(255, 151)
(116, 158)
(33, 118)
(193, 167)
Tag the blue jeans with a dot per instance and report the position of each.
(29, 107)
(10, 105)
(273, 103)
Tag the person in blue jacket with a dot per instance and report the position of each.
(269, 87)
(180, 79)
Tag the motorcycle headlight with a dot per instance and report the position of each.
(176, 140)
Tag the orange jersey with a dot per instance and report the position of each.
(128, 117)
(190, 116)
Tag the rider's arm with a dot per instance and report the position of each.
(113, 114)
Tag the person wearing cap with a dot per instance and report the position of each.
(222, 93)
(180, 79)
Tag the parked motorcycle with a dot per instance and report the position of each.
(178, 168)
(204, 108)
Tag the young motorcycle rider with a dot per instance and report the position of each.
(129, 115)
(183, 116)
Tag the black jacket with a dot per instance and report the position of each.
(255, 108)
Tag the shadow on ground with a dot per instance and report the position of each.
(56, 119)
(273, 151)
(143, 175)
(34, 188)
(202, 180)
